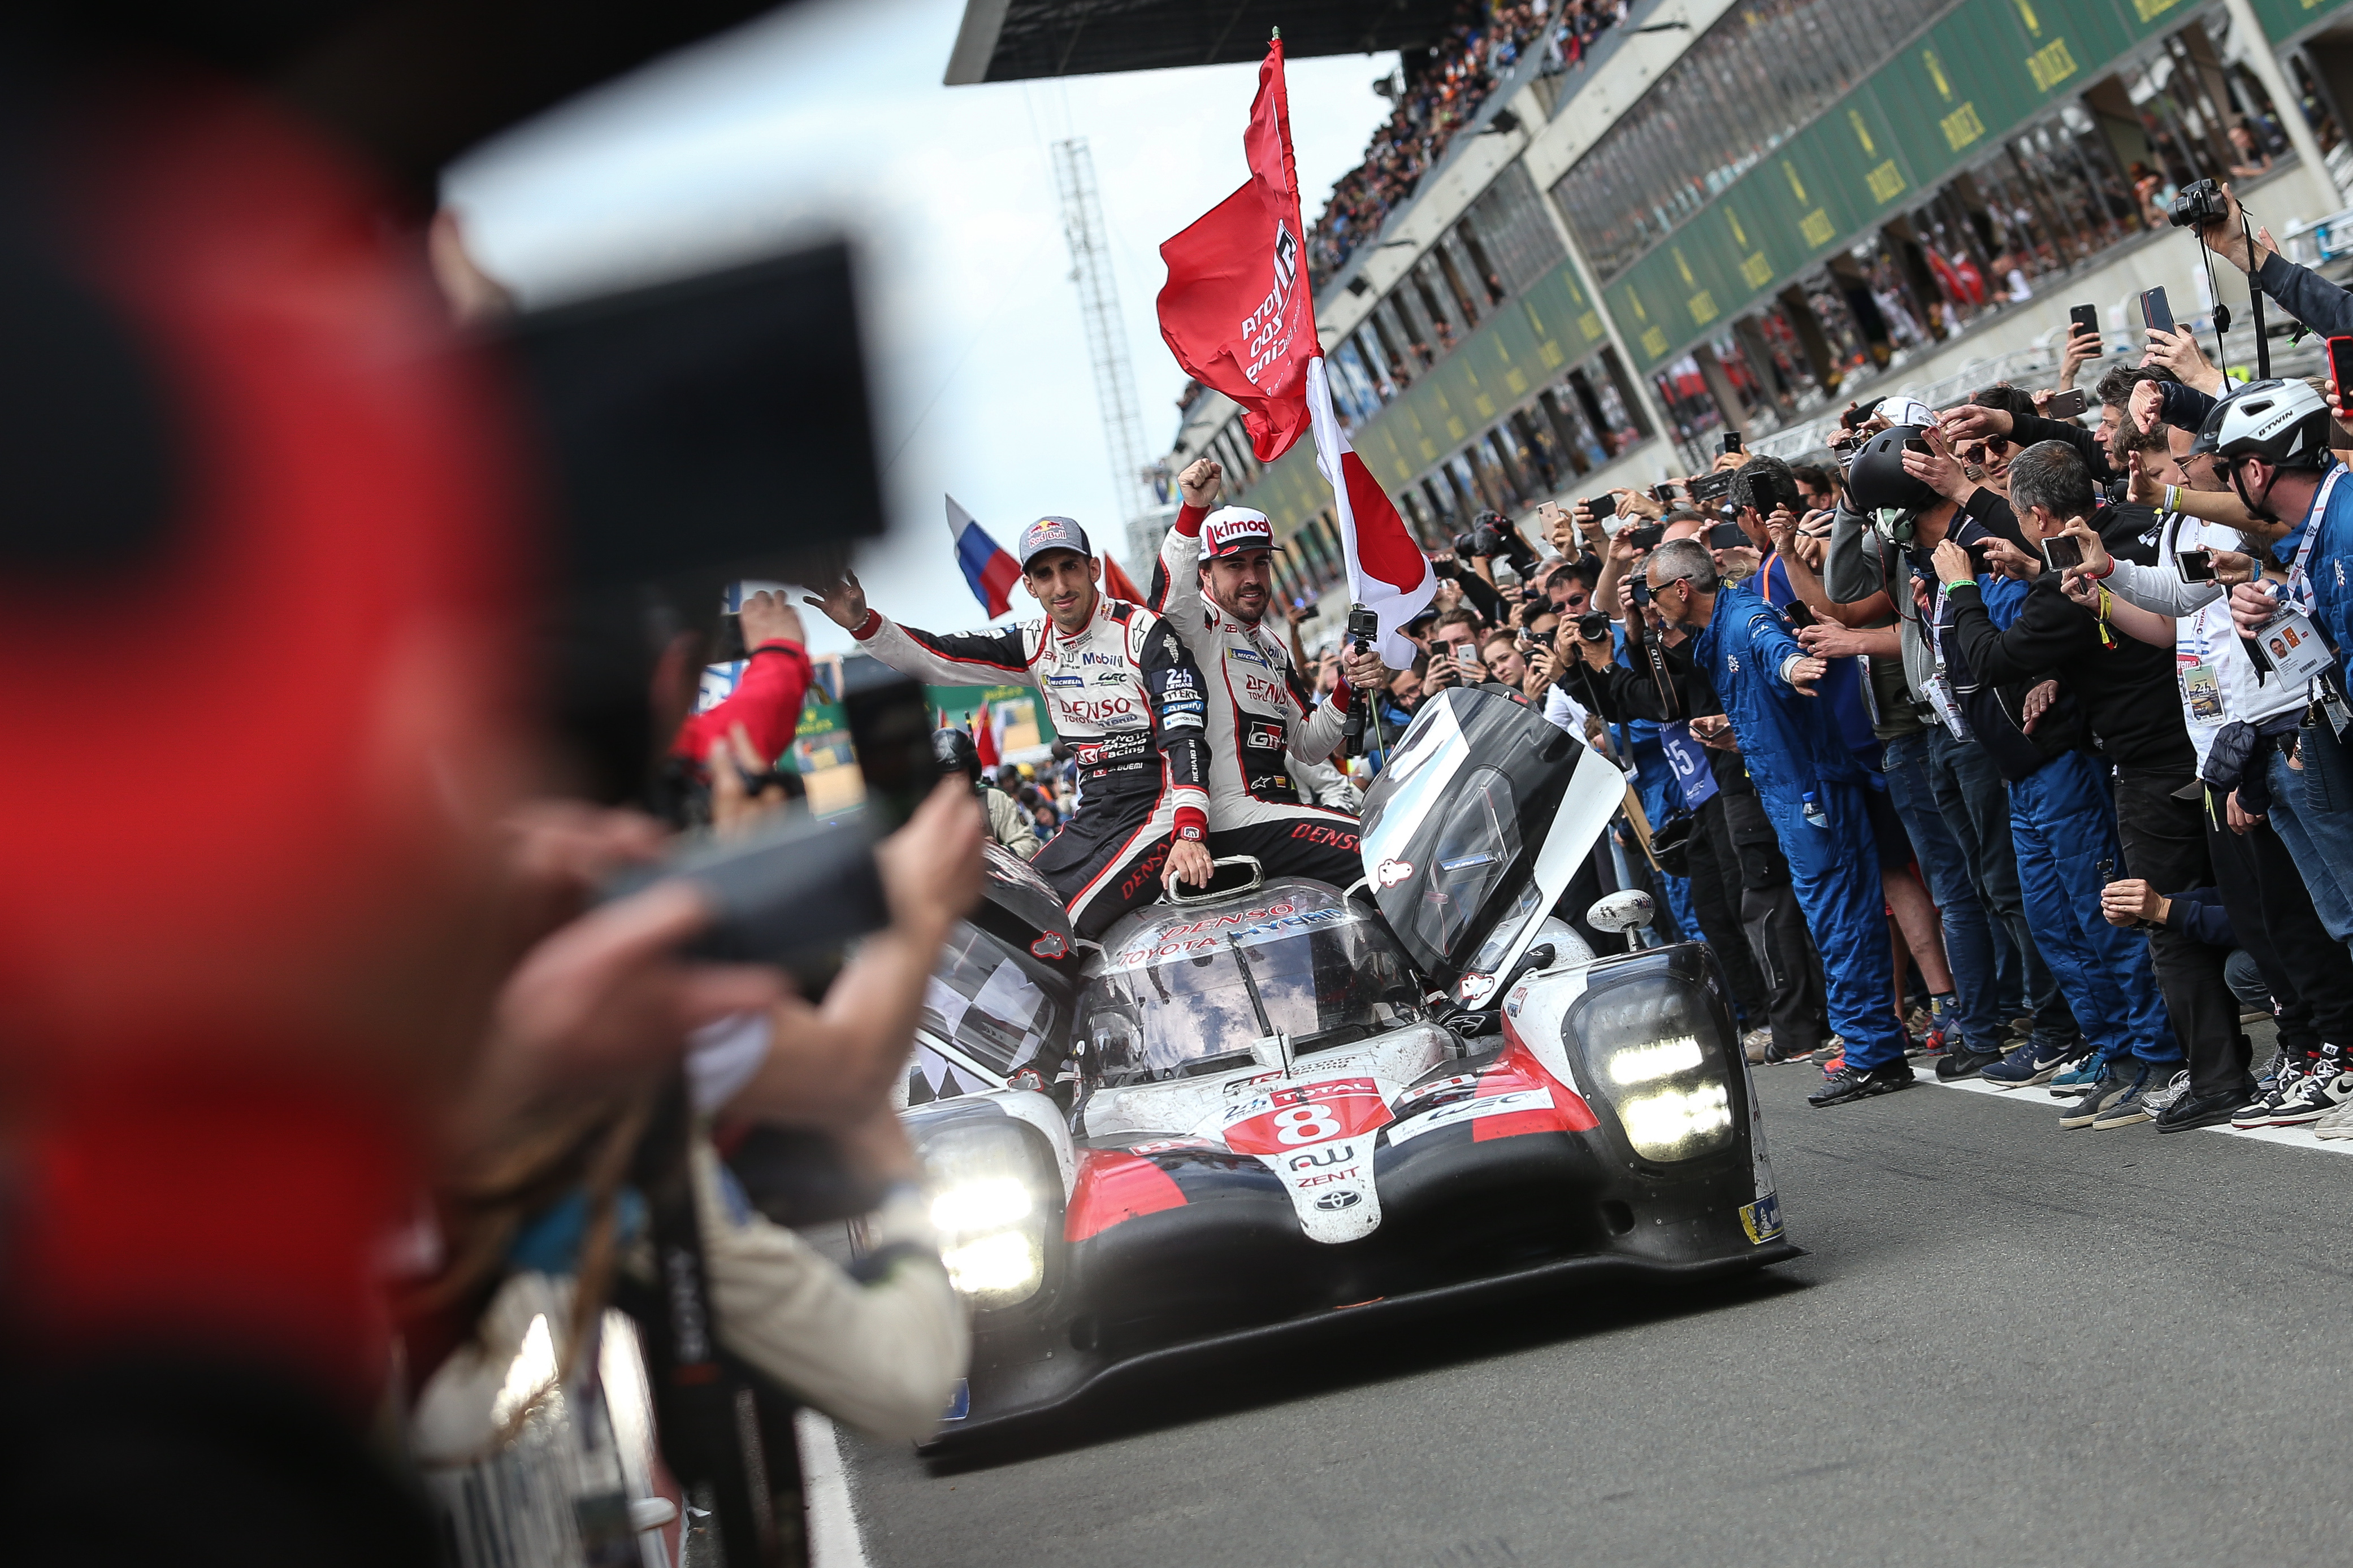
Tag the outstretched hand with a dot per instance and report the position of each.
(844, 604)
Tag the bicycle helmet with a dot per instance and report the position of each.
(2285, 423)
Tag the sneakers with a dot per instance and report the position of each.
(2081, 1073)
(2157, 1100)
(2286, 1076)
(2338, 1123)
(1758, 1044)
(2131, 1108)
(1849, 1084)
(2036, 1061)
(2314, 1095)
(2211, 1111)
(2086, 1107)
(1961, 1062)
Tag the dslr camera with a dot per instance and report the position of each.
(1490, 535)
(2199, 204)
(1593, 625)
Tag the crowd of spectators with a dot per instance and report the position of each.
(1441, 91)
(1984, 739)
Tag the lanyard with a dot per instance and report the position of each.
(2299, 583)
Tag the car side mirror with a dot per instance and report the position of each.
(1627, 910)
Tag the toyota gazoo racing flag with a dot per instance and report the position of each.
(1236, 311)
(1238, 315)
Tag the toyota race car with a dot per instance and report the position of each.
(1283, 1101)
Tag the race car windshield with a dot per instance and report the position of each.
(1185, 996)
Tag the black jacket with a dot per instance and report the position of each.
(2125, 687)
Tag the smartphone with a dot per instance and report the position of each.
(1648, 536)
(2068, 404)
(1731, 441)
(2083, 319)
(2197, 565)
(1800, 613)
(2155, 313)
(2062, 552)
(1600, 506)
(1465, 654)
(1726, 536)
(1663, 494)
(2340, 371)
(891, 734)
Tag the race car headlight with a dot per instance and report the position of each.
(990, 1203)
(1675, 1124)
(1654, 1045)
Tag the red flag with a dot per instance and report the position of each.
(1236, 311)
(984, 737)
(1117, 583)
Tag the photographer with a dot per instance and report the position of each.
(1009, 824)
(767, 703)
(2126, 689)
(2222, 227)
(1812, 789)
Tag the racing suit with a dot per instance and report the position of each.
(1260, 711)
(1797, 763)
(1126, 695)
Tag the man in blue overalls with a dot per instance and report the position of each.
(1813, 788)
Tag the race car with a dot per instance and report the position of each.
(1283, 1101)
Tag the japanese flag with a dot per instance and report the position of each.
(1388, 573)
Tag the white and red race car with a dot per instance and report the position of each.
(1286, 1100)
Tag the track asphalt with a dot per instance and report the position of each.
(2010, 1344)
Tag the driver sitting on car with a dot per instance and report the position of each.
(1213, 584)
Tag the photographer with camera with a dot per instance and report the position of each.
(2222, 227)
(1009, 824)
(1122, 690)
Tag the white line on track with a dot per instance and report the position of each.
(834, 1538)
(2039, 1097)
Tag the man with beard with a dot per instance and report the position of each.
(1213, 584)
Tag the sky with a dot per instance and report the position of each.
(829, 118)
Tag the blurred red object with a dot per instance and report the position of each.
(247, 919)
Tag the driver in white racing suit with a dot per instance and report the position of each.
(1214, 583)
(1121, 691)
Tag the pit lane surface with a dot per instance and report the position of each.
(2011, 1344)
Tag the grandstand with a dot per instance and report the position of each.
(1598, 234)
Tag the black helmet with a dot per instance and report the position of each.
(2285, 423)
(955, 753)
(1876, 481)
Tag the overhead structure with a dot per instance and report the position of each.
(1014, 40)
(1123, 419)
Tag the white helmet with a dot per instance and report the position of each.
(2285, 423)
